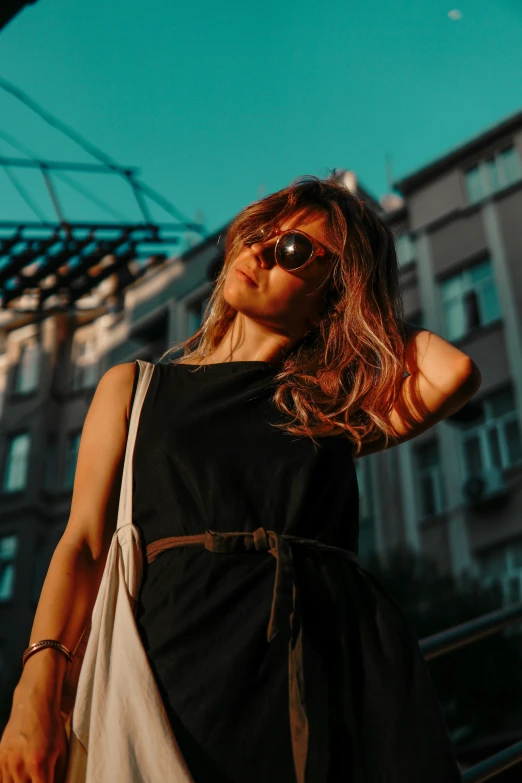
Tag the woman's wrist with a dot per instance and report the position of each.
(44, 671)
(42, 644)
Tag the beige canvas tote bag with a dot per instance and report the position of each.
(118, 728)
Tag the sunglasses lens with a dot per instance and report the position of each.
(293, 250)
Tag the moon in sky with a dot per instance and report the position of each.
(455, 14)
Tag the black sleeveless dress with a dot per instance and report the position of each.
(208, 458)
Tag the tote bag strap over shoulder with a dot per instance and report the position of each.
(120, 730)
(145, 370)
(72, 674)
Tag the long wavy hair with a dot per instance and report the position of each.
(344, 376)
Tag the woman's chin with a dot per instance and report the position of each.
(238, 298)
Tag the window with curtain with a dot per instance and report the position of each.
(17, 462)
(469, 299)
(8, 552)
(495, 440)
(430, 488)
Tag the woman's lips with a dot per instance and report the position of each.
(243, 276)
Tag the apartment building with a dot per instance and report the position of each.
(460, 248)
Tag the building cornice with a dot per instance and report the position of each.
(407, 185)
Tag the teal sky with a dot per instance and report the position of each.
(220, 103)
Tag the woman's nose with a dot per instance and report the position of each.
(261, 251)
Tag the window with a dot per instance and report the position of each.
(85, 364)
(429, 478)
(51, 454)
(8, 550)
(15, 474)
(469, 299)
(26, 377)
(475, 185)
(500, 567)
(367, 538)
(73, 444)
(493, 174)
(495, 440)
(405, 248)
(510, 169)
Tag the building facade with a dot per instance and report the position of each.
(460, 250)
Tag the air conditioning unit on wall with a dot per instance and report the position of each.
(485, 489)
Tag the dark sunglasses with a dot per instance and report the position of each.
(293, 249)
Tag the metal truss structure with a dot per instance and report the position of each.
(50, 267)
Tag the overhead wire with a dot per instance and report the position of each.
(60, 175)
(90, 148)
(25, 195)
(14, 180)
(87, 193)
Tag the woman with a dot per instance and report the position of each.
(277, 659)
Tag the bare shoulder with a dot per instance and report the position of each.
(116, 384)
(99, 467)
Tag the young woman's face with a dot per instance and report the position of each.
(286, 300)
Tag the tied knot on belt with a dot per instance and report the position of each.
(285, 609)
(284, 596)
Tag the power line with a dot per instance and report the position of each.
(87, 193)
(59, 125)
(137, 186)
(17, 145)
(34, 162)
(25, 195)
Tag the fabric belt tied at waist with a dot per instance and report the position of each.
(285, 609)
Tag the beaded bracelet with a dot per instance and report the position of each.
(45, 643)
